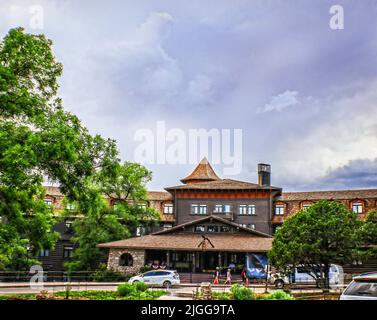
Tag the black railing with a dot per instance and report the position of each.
(58, 276)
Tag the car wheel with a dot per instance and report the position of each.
(279, 284)
(135, 282)
(167, 284)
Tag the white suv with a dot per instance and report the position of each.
(165, 278)
(362, 287)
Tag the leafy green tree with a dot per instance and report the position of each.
(325, 233)
(368, 233)
(40, 141)
(125, 188)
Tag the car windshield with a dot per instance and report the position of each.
(362, 288)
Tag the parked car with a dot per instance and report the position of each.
(300, 276)
(165, 278)
(362, 287)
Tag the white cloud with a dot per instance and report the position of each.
(281, 101)
(343, 131)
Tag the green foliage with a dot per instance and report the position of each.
(369, 229)
(325, 233)
(138, 291)
(220, 295)
(102, 223)
(126, 289)
(278, 295)
(105, 275)
(239, 292)
(145, 268)
(39, 141)
(141, 286)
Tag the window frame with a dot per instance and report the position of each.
(358, 204)
(168, 206)
(69, 249)
(281, 211)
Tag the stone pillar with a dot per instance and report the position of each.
(220, 260)
(168, 259)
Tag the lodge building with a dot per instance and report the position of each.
(207, 222)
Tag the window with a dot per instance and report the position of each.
(199, 229)
(306, 206)
(67, 252)
(70, 206)
(44, 253)
(227, 208)
(224, 229)
(249, 226)
(279, 210)
(125, 260)
(202, 209)
(168, 208)
(194, 209)
(48, 202)
(357, 207)
(140, 231)
(212, 228)
(68, 226)
(218, 208)
(167, 226)
(198, 209)
(247, 209)
(142, 206)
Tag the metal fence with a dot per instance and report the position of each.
(59, 276)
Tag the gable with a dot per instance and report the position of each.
(210, 223)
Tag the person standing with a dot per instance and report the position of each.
(228, 277)
(217, 276)
(243, 276)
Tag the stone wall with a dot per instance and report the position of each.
(138, 257)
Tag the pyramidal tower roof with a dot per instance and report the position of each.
(202, 173)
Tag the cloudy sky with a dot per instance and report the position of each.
(304, 95)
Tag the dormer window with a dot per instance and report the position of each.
(168, 208)
(279, 210)
(357, 207)
(71, 206)
(142, 206)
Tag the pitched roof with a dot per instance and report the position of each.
(152, 195)
(159, 195)
(208, 218)
(328, 195)
(224, 184)
(221, 242)
(202, 172)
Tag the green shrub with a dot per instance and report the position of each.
(242, 293)
(126, 289)
(279, 295)
(141, 286)
(145, 268)
(221, 295)
(104, 274)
